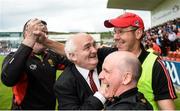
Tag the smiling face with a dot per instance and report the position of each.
(85, 54)
(127, 39)
(124, 38)
(120, 72)
(111, 77)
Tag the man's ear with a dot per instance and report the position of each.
(72, 56)
(139, 33)
(25, 33)
(127, 78)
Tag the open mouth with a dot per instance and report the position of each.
(93, 56)
(105, 85)
(119, 42)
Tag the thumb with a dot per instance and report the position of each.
(37, 32)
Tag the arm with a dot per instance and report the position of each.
(14, 64)
(60, 61)
(163, 87)
(167, 104)
(55, 46)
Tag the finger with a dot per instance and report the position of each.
(34, 26)
(37, 32)
(33, 22)
(41, 27)
(40, 34)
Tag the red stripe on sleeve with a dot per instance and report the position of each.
(170, 85)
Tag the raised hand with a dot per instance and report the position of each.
(104, 90)
(35, 31)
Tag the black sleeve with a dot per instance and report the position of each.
(61, 61)
(13, 65)
(66, 93)
(102, 53)
(161, 82)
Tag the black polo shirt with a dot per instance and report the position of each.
(129, 100)
(32, 77)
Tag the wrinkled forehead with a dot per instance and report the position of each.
(83, 42)
(83, 39)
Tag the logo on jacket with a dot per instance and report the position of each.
(50, 62)
(33, 66)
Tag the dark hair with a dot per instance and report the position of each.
(25, 25)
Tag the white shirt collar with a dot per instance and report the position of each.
(84, 72)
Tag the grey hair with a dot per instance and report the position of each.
(136, 67)
(70, 47)
(137, 70)
(133, 64)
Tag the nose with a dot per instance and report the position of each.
(116, 36)
(101, 75)
(94, 49)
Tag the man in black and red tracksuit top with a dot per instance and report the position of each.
(31, 71)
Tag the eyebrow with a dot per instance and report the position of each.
(89, 44)
(86, 45)
(105, 69)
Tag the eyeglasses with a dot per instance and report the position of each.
(121, 31)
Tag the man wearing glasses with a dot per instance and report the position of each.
(155, 82)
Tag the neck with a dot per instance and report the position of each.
(121, 90)
(137, 51)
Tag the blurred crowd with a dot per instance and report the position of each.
(164, 39)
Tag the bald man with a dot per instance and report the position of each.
(121, 74)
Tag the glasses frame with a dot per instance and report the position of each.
(121, 31)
